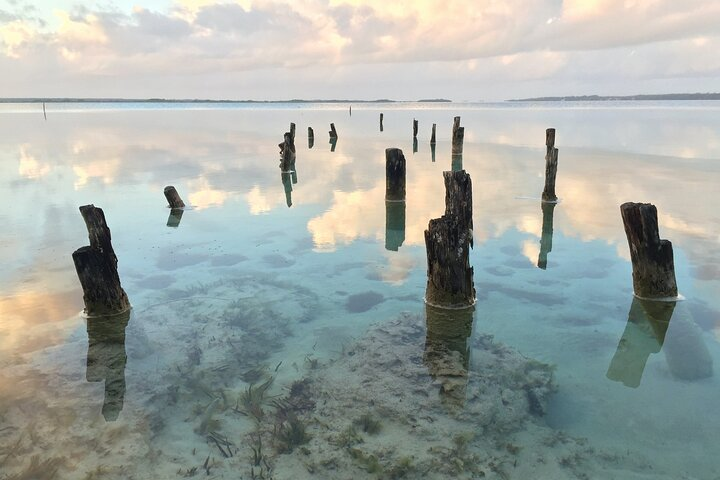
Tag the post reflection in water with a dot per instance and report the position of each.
(651, 325)
(333, 143)
(546, 237)
(394, 225)
(415, 145)
(175, 217)
(286, 178)
(106, 359)
(457, 162)
(447, 350)
(432, 152)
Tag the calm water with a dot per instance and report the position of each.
(277, 341)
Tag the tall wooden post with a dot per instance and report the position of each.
(96, 267)
(394, 174)
(333, 132)
(652, 259)
(549, 140)
(311, 137)
(292, 133)
(415, 128)
(551, 161)
(287, 151)
(432, 136)
(381, 122)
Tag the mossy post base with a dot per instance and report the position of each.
(450, 276)
(652, 259)
(173, 197)
(394, 174)
(96, 267)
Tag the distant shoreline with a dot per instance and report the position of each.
(195, 100)
(601, 98)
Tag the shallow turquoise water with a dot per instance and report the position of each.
(245, 289)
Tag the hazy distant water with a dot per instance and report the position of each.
(324, 267)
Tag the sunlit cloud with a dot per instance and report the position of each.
(29, 166)
(202, 195)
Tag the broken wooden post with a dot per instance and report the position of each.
(448, 240)
(287, 151)
(173, 197)
(415, 128)
(292, 133)
(394, 174)
(551, 161)
(458, 136)
(549, 140)
(432, 136)
(332, 132)
(394, 225)
(175, 217)
(311, 137)
(351, 110)
(652, 259)
(546, 237)
(381, 122)
(96, 267)
(106, 360)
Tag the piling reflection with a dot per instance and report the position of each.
(286, 178)
(457, 162)
(432, 152)
(546, 237)
(447, 350)
(415, 145)
(649, 329)
(106, 359)
(333, 143)
(394, 225)
(175, 217)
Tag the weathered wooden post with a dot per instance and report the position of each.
(546, 236)
(173, 197)
(106, 360)
(652, 259)
(351, 110)
(415, 128)
(394, 175)
(96, 267)
(458, 136)
(447, 350)
(332, 132)
(287, 151)
(432, 136)
(549, 140)
(551, 161)
(381, 122)
(394, 225)
(448, 240)
(292, 133)
(311, 137)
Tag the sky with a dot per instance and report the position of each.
(482, 50)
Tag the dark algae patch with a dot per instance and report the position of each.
(362, 302)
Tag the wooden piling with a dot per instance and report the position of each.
(458, 136)
(549, 140)
(448, 240)
(652, 259)
(394, 174)
(333, 132)
(432, 136)
(96, 267)
(311, 137)
(415, 128)
(173, 197)
(381, 122)
(292, 133)
(551, 161)
(287, 151)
